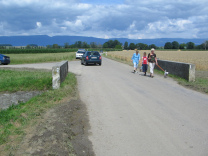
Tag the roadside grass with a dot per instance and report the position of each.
(40, 58)
(200, 84)
(15, 120)
(12, 81)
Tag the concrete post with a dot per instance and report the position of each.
(59, 73)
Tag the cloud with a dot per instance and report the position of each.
(169, 25)
(122, 18)
(38, 24)
(76, 25)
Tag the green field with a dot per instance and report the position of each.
(12, 81)
(40, 58)
(35, 51)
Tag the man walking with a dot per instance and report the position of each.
(135, 59)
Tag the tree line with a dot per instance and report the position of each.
(140, 46)
(188, 45)
(115, 44)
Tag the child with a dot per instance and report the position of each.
(144, 63)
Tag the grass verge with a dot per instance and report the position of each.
(200, 84)
(12, 81)
(16, 119)
(40, 58)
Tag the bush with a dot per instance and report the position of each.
(168, 45)
(118, 47)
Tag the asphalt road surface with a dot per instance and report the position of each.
(134, 115)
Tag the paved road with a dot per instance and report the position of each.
(133, 115)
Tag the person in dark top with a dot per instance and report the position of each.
(152, 61)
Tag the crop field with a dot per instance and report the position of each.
(199, 58)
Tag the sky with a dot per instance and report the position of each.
(133, 19)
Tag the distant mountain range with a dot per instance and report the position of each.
(44, 40)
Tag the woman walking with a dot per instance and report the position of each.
(152, 61)
(135, 59)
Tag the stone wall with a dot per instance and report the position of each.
(183, 70)
(59, 73)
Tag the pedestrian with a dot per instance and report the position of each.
(152, 61)
(135, 59)
(144, 63)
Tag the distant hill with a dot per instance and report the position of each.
(43, 40)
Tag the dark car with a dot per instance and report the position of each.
(4, 59)
(91, 57)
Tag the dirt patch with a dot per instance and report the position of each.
(62, 131)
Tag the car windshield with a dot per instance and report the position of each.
(89, 53)
(94, 53)
(82, 52)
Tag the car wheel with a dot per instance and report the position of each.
(81, 62)
(100, 64)
(85, 63)
(0, 62)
